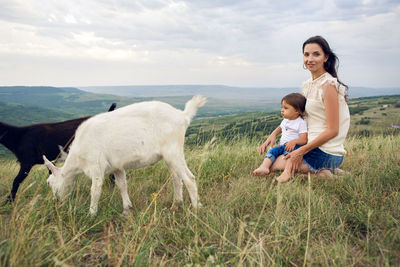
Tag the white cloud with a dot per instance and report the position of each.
(253, 43)
(70, 19)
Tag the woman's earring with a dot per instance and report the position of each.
(304, 66)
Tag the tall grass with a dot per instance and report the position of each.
(351, 220)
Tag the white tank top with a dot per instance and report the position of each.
(316, 116)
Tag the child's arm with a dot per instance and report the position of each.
(302, 140)
(270, 140)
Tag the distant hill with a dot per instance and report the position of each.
(355, 92)
(18, 114)
(224, 92)
(69, 100)
(79, 103)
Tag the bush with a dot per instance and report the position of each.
(357, 110)
(364, 133)
(364, 121)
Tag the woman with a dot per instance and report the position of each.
(328, 116)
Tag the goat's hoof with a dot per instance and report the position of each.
(92, 213)
(126, 212)
(175, 206)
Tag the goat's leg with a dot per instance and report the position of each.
(22, 174)
(120, 180)
(178, 196)
(179, 167)
(192, 178)
(97, 183)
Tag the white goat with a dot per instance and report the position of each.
(131, 137)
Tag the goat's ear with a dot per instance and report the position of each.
(63, 154)
(49, 165)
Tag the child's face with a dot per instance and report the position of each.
(288, 111)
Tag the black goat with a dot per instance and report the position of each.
(30, 143)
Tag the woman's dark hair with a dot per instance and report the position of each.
(297, 101)
(332, 64)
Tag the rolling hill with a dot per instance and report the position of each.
(225, 120)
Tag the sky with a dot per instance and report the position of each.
(247, 43)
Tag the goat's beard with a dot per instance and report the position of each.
(61, 192)
(60, 188)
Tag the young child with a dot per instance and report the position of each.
(293, 129)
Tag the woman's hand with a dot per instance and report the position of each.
(269, 142)
(294, 160)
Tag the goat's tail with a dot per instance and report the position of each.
(192, 105)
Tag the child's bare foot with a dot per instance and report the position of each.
(284, 177)
(261, 171)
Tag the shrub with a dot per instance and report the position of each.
(364, 121)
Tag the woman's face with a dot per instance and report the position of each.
(314, 58)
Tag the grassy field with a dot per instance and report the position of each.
(351, 220)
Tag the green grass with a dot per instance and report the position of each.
(351, 220)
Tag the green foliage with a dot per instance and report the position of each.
(252, 125)
(357, 110)
(364, 121)
(364, 133)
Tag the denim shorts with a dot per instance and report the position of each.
(318, 160)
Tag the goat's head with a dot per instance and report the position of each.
(56, 180)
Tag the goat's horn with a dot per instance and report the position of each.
(48, 164)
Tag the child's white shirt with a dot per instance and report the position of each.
(291, 129)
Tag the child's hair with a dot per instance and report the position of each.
(297, 101)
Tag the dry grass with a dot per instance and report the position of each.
(352, 220)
